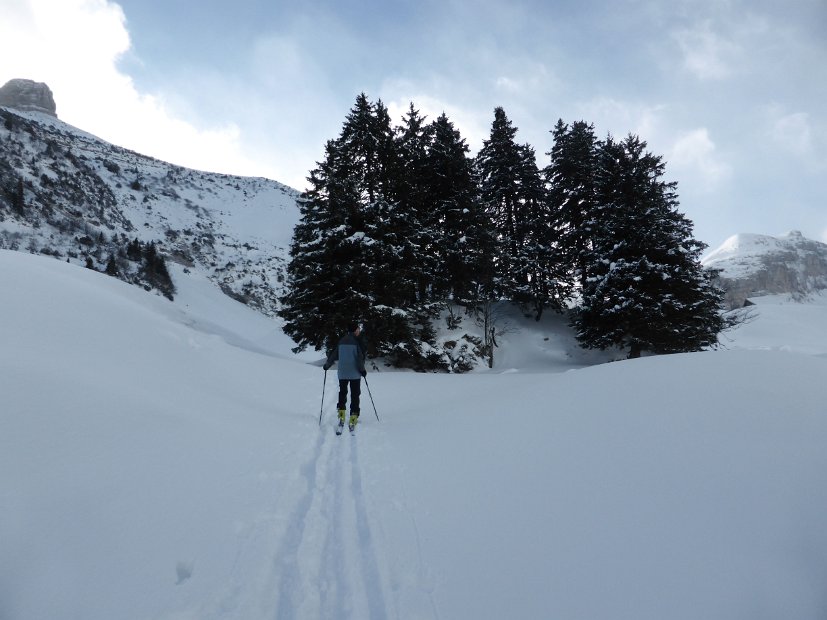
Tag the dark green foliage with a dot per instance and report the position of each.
(154, 271)
(646, 289)
(19, 198)
(12, 190)
(397, 223)
(462, 239)
(353, 254)
(571, 177)
(134, 251)
(514, 197)
(112, 266)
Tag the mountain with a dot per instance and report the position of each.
(28, 95)
(755, 265)
(70, 195)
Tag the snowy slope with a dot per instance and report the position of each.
(87, 198)
(759, 265)
(741, 254)
(164, 461)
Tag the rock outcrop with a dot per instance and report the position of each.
(28, 96)
(755, 265)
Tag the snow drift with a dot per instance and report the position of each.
(163, 460)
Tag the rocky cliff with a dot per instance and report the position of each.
(68, 194)
(28, 96)
(752, 265)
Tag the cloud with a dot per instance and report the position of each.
(706, 54)
(74, 46)
(793, 133)
(620, 118)
(694, 155)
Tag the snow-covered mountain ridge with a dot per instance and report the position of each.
(68, 194)
(756, 265)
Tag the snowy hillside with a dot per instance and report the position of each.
(81, 197)
(754, 265)
(164, 460)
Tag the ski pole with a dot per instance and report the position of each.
(371, 399)
(321, 409)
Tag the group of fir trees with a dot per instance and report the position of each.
(398, 221)
(389, 230)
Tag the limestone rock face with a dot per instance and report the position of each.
(754, 265)
(28, 96)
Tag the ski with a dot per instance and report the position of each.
(340, 428)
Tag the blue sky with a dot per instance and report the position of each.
(731, 92)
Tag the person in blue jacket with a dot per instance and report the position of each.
(351, 358)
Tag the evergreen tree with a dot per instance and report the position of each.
(541, 273)
(461, 235)
(512, 194)
(317, 300)
(155, 273)
(497, 163)
(646, 289)
(112, 266)
(134, 251)
(19, 198)
(413, 140)
(353, 251)
(571, 177)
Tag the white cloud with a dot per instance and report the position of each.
(694, 155)
(793, 133)
(621, 118)
(706, 54)
(74, 47)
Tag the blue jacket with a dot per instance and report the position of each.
(351, 358)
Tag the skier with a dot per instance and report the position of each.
(351, 358)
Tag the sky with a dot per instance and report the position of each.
(731, 93)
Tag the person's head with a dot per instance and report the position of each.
(353, 328)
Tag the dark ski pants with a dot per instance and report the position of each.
(355, 390)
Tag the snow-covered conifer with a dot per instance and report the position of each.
(646, 289)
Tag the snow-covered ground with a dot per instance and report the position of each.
(164, 461)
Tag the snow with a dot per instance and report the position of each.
(741, 254)
(237, 230)
(164, 460)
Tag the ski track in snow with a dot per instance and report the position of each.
(332, 544)
(328, 564)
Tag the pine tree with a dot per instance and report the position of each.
(353, 251)
(513, 195)
(134, 251)
(19, 198)
(413, 139)
(571, 177)
(541, 273)
(646, 289)
(320, 296)
(461, 235)
(497, 163)
(112, 266)
(155, 273)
